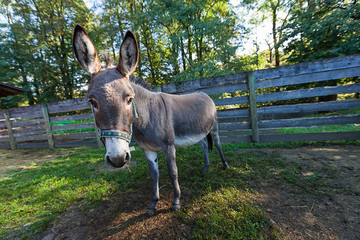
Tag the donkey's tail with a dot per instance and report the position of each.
(210, 142)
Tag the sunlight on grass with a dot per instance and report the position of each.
(34, 195)
(227, 213)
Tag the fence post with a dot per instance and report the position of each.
(9, 127)
(98, 141)
(158, 88)
(253, 108)
(47, 126)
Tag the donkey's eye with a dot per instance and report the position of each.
(93, 103)
(130, 100)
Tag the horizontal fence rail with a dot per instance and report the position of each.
(252, 107)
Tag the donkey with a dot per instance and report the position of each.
(157, 121)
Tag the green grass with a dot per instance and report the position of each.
(222, 204)
(36, 195)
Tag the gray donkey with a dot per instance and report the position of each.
(157, 121)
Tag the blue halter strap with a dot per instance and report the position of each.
(115, 133)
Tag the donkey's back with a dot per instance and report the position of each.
(192, 116)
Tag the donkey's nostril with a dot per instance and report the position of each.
(127, 157)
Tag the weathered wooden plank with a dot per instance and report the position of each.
(231, 101)
(27, 123)
(27, 132)
(26, 112)
(4, 132)
(82, 135)
(4, 139)
(340, 63)
(5, 146)
(33, 145)
(72, 117)
(31, 129)
(237, 139)
(309, 122)
(221, 89)
(199, 84)
(308, 78)
(253, 108)
(2, 124)
(241, 113)
(71, 144)
(73, 126)
(311, 107)
(68, 105)
(306, 93)
(10, 129)
(300, 137)
(234, 126)
(41, 137)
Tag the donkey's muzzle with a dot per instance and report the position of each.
(119, 160)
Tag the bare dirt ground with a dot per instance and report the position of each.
(333, 212)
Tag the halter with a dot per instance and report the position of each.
(115, 133)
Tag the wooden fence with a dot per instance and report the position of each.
(247, 102)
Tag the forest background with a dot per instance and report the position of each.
(179, 40)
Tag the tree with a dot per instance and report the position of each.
(39, 52)
(322, 29)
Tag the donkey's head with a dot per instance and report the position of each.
(110, 93)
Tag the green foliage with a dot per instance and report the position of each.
(179, 40)
(37, 51)
(325, 29)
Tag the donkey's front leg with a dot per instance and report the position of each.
(173, 173)
(154, 176)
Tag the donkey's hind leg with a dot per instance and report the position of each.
(170, 155)
(204, 146)
(215, 133)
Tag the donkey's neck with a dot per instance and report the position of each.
(145, 127)
(141, 94)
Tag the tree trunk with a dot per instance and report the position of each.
(183, 56)
(274, 8)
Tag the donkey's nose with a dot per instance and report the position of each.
(119, 160)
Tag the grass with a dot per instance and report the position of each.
(34, 196)
(222, 205)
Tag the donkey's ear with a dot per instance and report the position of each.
(129, 55)
(85, 51)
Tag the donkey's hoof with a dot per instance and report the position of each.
(205, 170)
(225, 165)
(176, 207)
(150, 212)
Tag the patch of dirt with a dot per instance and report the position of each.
(332, 213)
(19, 158)
(121, 217)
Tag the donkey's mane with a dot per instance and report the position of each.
(137, 80)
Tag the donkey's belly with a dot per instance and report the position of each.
(188, 140)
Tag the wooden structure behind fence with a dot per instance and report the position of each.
(248, 113)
